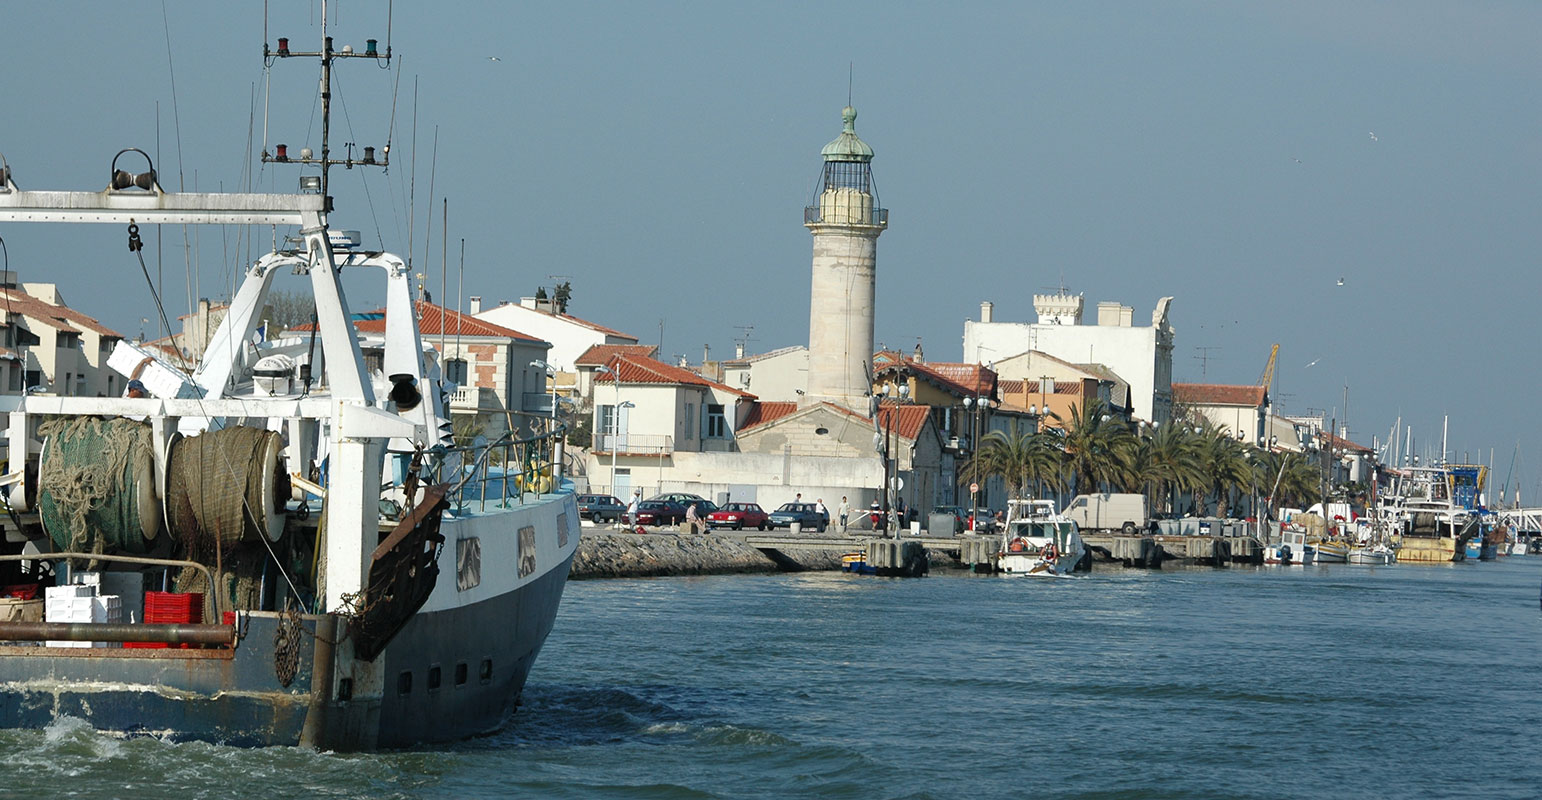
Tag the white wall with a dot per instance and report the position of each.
(568, 339)
(772, 378)
(1133, 353)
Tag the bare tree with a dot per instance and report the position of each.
(285, 310)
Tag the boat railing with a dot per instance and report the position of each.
(527, 465)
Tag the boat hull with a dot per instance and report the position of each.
(455, 669)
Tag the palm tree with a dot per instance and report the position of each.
(1099, 447)
(1025, 460)
(1173, 462)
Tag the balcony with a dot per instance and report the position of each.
(877, 216)
(475, 398)
(635, 444)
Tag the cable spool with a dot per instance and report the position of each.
(96, 485)
(224, 487)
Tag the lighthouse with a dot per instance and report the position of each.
(846, 220)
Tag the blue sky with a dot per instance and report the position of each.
(659, 156)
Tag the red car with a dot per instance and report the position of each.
(659, 512)
(738, 516)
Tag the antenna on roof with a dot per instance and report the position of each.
(851, 77)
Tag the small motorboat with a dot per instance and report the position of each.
(1377, 555)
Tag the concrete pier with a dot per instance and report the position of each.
(896, 558)
(1132, 551)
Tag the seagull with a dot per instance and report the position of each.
(1373, 136)
(1297, 160)
(495, 58)
(1314, 362)
(1341, 281)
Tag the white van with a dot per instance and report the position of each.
(1125, 513)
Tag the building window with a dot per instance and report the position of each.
(455, 371)
(717, 424)
(690, 416)
(605, 425)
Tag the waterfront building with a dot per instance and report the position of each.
(569, 336)
(777, 375)
(52, 348)
(1142, 356)
(1240, 412)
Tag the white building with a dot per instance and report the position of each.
(65, 351)
(1142, 356)
(569, 336)
(775, 376)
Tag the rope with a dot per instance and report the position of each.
(214, 490)
(87, 496)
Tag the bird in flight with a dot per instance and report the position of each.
(494, 58)
(1341, 281)
(1373, 136)
(1297, 160)
(1314, 362)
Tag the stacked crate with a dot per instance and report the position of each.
(170, 608)
(81, 603)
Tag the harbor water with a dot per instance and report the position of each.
(1325, 682)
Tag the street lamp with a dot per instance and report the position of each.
(978, 404)
(615, 420)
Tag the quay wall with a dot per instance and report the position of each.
(611, 554)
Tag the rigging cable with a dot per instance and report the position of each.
(136, 246)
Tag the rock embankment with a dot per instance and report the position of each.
(610, 554)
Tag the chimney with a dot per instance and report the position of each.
(739, 350)
(476, 304)
(987, 311)
(706, 354)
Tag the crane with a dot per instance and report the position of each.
(1268, 377)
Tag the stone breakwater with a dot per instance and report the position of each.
(611, 554)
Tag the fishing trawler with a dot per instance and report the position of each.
(1437, 510)
(347, 576)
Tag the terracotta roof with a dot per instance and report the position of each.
(965, 380)
(600, 354)
(905, 420)
(435, 320)
(643, 369)
(763, 413)
(1340, 443)
(1216, 394)
(61, 318)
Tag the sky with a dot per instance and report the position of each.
(1241, 157)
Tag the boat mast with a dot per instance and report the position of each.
(327, 55)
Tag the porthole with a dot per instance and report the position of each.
(485, 673)
(404, 683)
(822, 431)
(434, 678)
(460, 673)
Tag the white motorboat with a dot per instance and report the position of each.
(1039, 542)
(1292, 550)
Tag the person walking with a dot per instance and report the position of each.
(824, 513)
(844, 511)
(690, 517)
(631, 508)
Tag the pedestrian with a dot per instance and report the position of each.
(690, 517)
(844, 511)
(631, 508)
(798, 498)
(824, 513)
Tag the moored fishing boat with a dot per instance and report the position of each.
(302, 511)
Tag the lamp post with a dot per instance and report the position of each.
(615, 420)
(888, 491)
(978, 404)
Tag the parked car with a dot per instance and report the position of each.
(659, 512)
(600, 507)
(738, 516)
(805, 514)
(677, 497)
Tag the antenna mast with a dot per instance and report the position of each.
(327, 55)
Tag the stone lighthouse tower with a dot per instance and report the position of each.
(846, 220)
